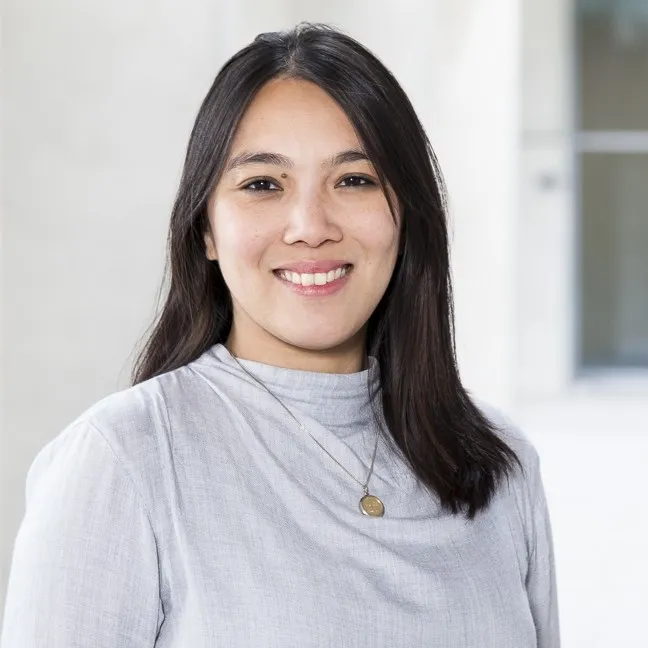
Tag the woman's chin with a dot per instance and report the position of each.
(322, 341)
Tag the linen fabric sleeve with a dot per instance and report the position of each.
(84, 569)
(541, 575)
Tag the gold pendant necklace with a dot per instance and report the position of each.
(369, 504)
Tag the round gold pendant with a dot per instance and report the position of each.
(372, 506)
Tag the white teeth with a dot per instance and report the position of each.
(310, 279)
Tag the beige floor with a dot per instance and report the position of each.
(594, 454)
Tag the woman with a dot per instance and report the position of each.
(297, 463)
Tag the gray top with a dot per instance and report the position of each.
(192, 511)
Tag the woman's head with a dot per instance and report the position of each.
(299, 225)
(304, 97)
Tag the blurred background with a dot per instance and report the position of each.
(538, 111)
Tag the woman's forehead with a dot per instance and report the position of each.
(290, 115)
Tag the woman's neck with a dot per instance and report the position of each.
(349, 357)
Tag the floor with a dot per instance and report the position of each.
(594, 461)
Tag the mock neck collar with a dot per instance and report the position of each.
(339, 401)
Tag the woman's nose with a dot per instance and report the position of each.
(311, 221)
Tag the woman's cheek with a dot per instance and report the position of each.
(378, 234)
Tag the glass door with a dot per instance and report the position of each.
(612, 150)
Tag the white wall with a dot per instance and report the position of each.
(546, 246)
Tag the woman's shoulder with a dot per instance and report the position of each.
(152, 420)
(145, 410)
(132, 414)
(509, 431)
(139, 399)
(520, 504)
(127, 433)
(525, 475)
(132, 423)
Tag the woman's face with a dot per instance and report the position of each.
(299, 225)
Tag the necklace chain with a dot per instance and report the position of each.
(365, 486)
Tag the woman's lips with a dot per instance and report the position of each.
(311, 266)
(315, 283)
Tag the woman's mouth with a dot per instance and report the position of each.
(314, 278)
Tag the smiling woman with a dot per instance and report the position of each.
(307, 202)
(297, 461)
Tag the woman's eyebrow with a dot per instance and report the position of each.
(352, 155)
(259, 157)
(277, 159)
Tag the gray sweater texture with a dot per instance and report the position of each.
(191, 511)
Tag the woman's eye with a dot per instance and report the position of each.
(262, 184)
(355, 181)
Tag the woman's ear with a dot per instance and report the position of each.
(210, 247)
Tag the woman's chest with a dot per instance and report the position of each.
(268, 564)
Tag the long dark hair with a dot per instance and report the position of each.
(449, 443)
